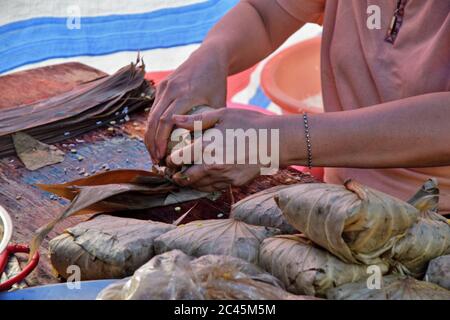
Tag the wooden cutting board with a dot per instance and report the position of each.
(122, 147)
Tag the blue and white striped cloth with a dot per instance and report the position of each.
(107, 34)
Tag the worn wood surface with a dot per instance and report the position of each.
(121, 147)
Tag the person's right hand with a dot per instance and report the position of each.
(201, 80)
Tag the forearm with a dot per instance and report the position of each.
(413, 132)
(249, 33)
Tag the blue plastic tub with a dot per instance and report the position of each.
(88, 291)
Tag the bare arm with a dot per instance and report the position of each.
(250, 32)
(247, 34)
(412, 132)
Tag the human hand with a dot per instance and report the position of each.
(219, 161)
(201, 80)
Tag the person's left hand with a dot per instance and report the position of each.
(210, 176)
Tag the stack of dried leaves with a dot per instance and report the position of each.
(75, 112)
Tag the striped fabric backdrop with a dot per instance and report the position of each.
(107, 35)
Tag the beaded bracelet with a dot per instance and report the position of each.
(308, 140)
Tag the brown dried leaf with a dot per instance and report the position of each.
(35, 154)
(79, 110)
(136, 189)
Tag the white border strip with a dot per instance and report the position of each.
(7, 228)
(17, 10)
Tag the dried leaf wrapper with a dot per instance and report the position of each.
(427, 239)
(438, 271)
(392, 288)
(114, 191)
(306, 269)
(106, 247)
(261, 209)
(354, 222)
(222, 237)
(35, 154)
(173, 275)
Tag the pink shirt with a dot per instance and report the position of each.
(360, 69)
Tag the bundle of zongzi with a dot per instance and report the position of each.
(114, 191)
(222, 237)
(392, 288)
(354, 222)
(174, 275)
(439, 271)
(427, 239)
(106, 247)
(305, 268)
(261, 209)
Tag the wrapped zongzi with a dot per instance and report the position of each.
(261, 209)
(305, 268)
(354, 222)
(439, 271)
(222, 236)
(106, 246)
(392, 288)
(85, 107)
(427, 239)
(173, 275)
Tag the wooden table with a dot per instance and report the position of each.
(30, 207)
